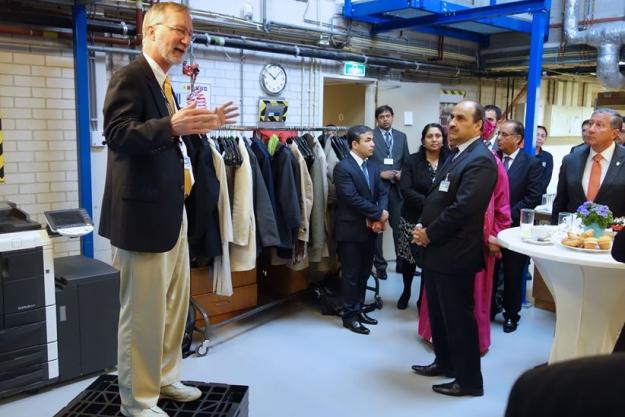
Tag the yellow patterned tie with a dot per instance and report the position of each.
(188, 183)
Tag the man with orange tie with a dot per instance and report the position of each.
(595, 171)
(147, 179)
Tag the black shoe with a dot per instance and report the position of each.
(402, 303)
(432, 369)
(368, 308)
(381, 274)
(363, 318)
(455, 390)
(356, 327)
(510, 325)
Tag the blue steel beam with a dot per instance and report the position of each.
(368, 8)
(81, 83)
(465, 14)
(433, 30)
(534, 77)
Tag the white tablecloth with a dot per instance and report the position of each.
(589, 293)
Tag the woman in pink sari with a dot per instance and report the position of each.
(496, 219)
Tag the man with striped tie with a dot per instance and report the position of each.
(147, 179)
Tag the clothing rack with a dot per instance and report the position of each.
(251, 128)
(204, 346)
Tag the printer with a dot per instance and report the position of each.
(28, 330)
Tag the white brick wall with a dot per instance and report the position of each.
(38, 120)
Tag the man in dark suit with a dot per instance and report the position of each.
(361, 200)
(545, 158)
(618, 253)
(390, 153)
(596, 171)
(451, 233)
(494, 116)
(583, 387)
(148, 176)
(585, 128)
(525, 178)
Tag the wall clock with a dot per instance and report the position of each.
(273, 79)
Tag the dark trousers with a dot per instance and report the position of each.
(454, 331)
(356, 260)
(395, 202)
(513, 264)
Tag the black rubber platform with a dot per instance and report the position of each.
(101, 399)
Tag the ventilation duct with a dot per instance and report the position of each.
(606, 37)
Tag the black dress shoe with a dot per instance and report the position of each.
(363, 318)
(356, 327)
(380, 274)
(402, 303)
(509, 326)
(432, 369)
(368, 308)
(455, 390)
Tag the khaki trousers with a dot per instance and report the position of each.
(154, 297)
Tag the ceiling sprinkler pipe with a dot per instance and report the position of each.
(607, 38)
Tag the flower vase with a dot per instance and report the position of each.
(597, 230)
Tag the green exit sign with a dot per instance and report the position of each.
(356, 69)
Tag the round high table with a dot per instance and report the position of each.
(589, 293)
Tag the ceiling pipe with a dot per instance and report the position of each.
(312, 52)
(607, 38)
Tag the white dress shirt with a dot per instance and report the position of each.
(512, 156)
(465, 145)
(606, 157)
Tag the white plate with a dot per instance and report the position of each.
(584, 249)
(537, 242)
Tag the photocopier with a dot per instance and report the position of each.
(28, 331)
(58, 317)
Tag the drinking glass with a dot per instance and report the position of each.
(526, 222)
(565, 221)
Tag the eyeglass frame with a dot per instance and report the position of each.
(180, 31)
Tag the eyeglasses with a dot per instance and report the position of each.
(180, 31)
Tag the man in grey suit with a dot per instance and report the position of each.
(390, 152)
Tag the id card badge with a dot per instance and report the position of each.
(444, 185)
(388, 161)
(187, 162)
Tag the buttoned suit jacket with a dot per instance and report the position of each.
(454, 219)
(144, 189)
(400, 150)
(570, 194)
(356, 202)
(525, 179)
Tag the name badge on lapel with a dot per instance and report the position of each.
(187, 162)
(388, 161)
(444, 185)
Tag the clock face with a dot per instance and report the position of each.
(273, 79)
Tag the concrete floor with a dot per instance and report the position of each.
(299, 363)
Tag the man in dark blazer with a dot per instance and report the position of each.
(525, 179)
(591, 386)
(390, 153)
(545, 158)
(148, 176)
(361, 200)
(451, 233)
(618, 253)
(577, 184)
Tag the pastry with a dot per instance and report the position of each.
(588, 233)
(591, 243)
(604, 242)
